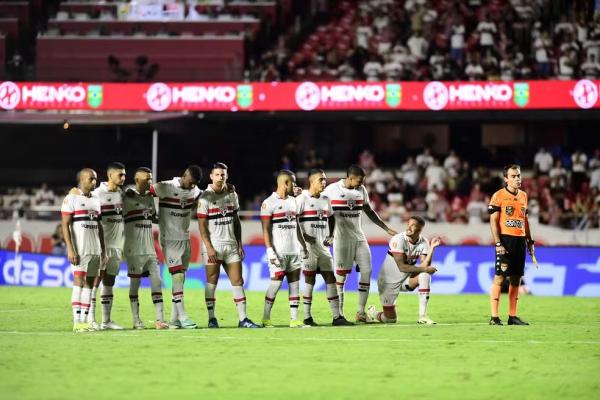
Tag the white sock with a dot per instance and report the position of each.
(134, 300)
(339, 284)
(86, 297)
(333, 299)
(363, 295)
(294, 288)
(424, 285)
(106, 294)
(178, 296)
(307, 299)
(239, 298)
(157, 297)
(174, 316)
(76, 303)
(270, 296)
(209, 298)
(92, 313)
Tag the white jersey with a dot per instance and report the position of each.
(84, 227)
(138, 212)
(400, 244)
(175, 208)
(220, 210)
(111, 205)
(347, 207)
(313, 215)
(282, 214)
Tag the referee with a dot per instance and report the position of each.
(510, 230)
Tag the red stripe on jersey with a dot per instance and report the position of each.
(309, 273)
(279, 215)
(312, 213)
(176, 200)
(218, 210)
(81, 212)
(135, 212)
(107, 207)
(357, 202)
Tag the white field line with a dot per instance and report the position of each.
(25, 310)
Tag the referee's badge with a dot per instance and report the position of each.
(510, 210)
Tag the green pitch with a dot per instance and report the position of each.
(557, 357)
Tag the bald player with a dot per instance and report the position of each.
(285, 246)
(85, 244)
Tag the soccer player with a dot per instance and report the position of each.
(221, 232)
(138, 214)
(400, 273)
(349, 198)
(177, 198)
(111, 203)
(510, 230)
(284, 242)
(317, 223)
(85, 244)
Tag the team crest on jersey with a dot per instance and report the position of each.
(351, 204)
(182, 202)
(92, 214)
(146, 213)
(320, 214)
(289, 215)
(119, 208)
(223, 210)
(510, 210)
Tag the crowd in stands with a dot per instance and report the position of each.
(378, 40)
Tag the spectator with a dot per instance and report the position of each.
(410, 172)
(507, 68)
(474, 70)
(418, 45)
(566, 65)
(312, 160)
(58, 242)
(373, 69)
(476, 209)
(392, 69)
(44, 197)
(395, 212)
(487, 31)
(578, 170)
(436, 176)
(457, 41)
(594, 167)
(590, 68)
(452, 164)
(425, 159)
(542, 46)
(542, 162)
(346, 72)
(437, 206)
(366, 160)
(558, 176)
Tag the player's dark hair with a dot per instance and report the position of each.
(313, 171)
(355, 170)
(195, 171)
(115, 165)
(218, 165)
(420, 220)
(509, 166)
(285, 172)
(143, 169)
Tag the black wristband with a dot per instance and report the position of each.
(530, 241)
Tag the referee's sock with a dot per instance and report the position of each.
(495, 299)
(513, 299)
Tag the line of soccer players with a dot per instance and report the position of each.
(105, 224)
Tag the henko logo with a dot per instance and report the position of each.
(10, 95)
(158, 96)
(435, 95)
(308, 96)
(585, 94)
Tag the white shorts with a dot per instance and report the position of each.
(288, 263)
(114, 257)
(177, 254)
(317, 261)
(137, 265)
(388, 292)
(345, 254)
(226, 254)
(89, 265)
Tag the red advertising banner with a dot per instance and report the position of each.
(300, 96)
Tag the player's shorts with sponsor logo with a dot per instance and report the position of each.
(114, 257)
(137, 265)
(226, 253)
(317, 261)
(287, 263)
(345, 254)
(177, 254)
(89, 265)
(513, 262)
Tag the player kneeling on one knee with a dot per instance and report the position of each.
(400, 273)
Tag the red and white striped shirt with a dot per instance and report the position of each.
(84, 226)
(111, 205)
(220, 210)
(347, 207)
(175, 205)
(282, 214)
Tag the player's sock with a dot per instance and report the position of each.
(384, 318)
(178, 295)
(76, 303)
(134, 301)
(307, 299)
(513, 299)
(92, 313)
(106, 294)
(495, 299)
(239, 298)
(270, 296)
(174, 316)
(209, 297)
(157, 297)
(86, 296)
(340, 281)
(333, 299)
(294, 298)
(363, 296)
(424, 287)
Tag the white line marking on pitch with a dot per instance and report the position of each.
(24, 310)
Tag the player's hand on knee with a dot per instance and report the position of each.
(430, 270)
(212, 255)
(272, 257)
(73, 257)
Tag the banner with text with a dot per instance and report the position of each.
(301, 96)
(572, 271)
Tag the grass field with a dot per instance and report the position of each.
(558, 356)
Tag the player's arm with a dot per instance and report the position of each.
(267, 229)
(102, 246)
(373, 216)
(426, 259)
(400, 259)
(205, 235)
(237, 231)
(300, 235)
(66, 230)
(331, 224)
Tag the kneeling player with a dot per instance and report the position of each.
(400, 273)
(139, 211)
